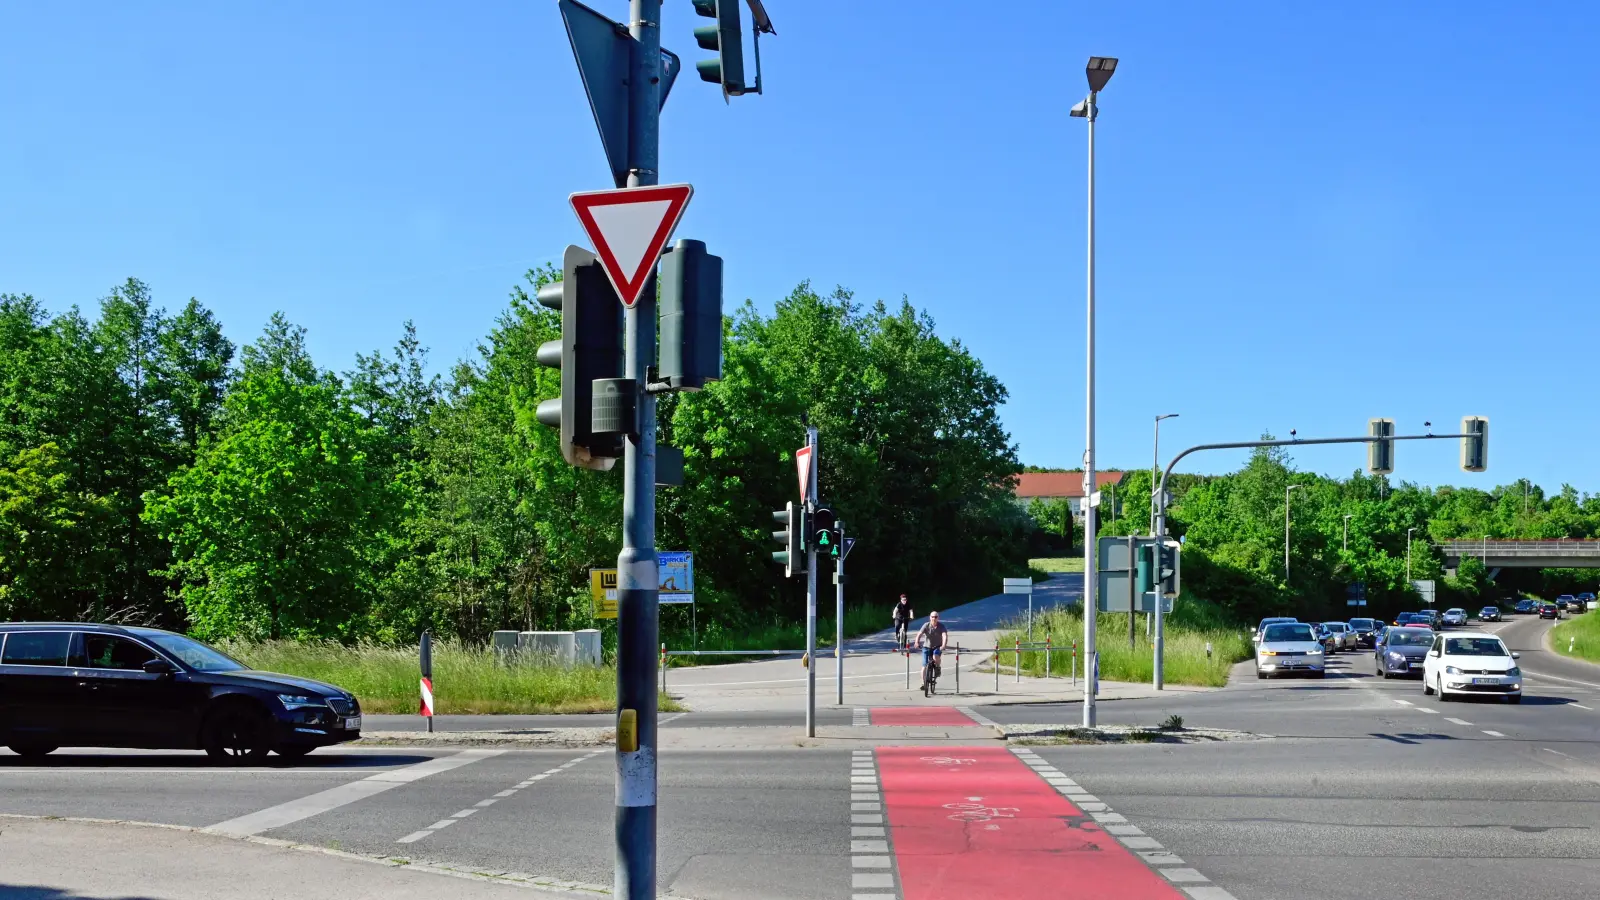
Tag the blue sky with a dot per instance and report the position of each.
(1310, 214)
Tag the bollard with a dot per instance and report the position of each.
(1047, 656)
(426, 653)
(663, 668)
(1018, 664)
(958, 670)
(1208, 649)
(1074, 661)
(997, 665)
(907, 652)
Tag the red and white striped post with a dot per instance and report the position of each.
(426, 708)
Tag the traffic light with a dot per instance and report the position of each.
(1475, 446)
(691, 316)
(1380, 454)
(590, 347)
(724, 37)
(1167, 571)
(824, 531)
(793, 556)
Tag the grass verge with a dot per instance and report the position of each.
(466, 680)
(1578, 637)
(777, 636)
(1057, 564)
(1186, 659)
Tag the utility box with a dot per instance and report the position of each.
(588, 644)
(548, 646)
(504, 642)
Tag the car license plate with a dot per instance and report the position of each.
(1485, 681)
(353, 723)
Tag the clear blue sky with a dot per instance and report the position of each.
(1307, 216)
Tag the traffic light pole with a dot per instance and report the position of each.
(811, 590)
(1091, 608)
(838, 622)
(637, 574)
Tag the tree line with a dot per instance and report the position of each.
(153, 472)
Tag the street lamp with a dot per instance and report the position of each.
(1099, 72)
(1286, 529)
(1408, 554)
(1155, 471)
(1347, 531)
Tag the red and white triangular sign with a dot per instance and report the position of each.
(802, 461)
(630, 227)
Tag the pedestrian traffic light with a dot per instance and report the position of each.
(824, 531)
(1380, 454)
(793, 555)
(590, 347)
(1475, 446)
(724, 37)
(691, 317)
(1167, 571)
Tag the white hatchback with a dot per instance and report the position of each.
(1459, 665)
(1287, 648)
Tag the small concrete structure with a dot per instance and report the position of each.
(555, 646)
(504, 642)
(589, 650)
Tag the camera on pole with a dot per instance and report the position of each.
(590, 348)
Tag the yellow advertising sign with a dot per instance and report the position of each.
(603, 592)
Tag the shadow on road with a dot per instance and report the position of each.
(1409, 738)
(29, 892)
(199, 761)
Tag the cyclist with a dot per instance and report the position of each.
(937, 637)
(902, 620)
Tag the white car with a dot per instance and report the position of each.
(1463, 664)
(1289, 647)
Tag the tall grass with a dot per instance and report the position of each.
(1186, 660)
(1582, 634)
(466, 680)
(1056, 564)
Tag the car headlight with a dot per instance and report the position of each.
(1396, 656)
(1514, 671)
(1316, 652)
(300, 701)
(1451, 670)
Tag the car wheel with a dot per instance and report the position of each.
(236, 733)
(1438, 685)
(1427, 689)
(32, 752)
(1513, 698)
(1261, 675)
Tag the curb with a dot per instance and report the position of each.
(554, 738)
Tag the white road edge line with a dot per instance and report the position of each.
(415, 836)
(1492, 733)
(1581, 706)
(333, 798)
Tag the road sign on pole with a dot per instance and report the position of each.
(630, 227)
(802, 462)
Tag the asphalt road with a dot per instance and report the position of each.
(1365, 789)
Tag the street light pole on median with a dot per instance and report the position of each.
(1099, 72)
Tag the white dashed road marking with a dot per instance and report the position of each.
(1581, 706)
(415, 836)
(333, 798)
(1171, 867)
(1427, 710)
(871, 863)
(860, 716)
(1457, 721)
(1492, 733)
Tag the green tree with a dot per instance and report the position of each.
(49, 558)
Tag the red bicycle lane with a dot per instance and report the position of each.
(922, 716)
(977, 821)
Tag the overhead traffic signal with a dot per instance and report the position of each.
(824, 532)
(1475, 446)
(590, 347)
(724, 37)
(1380, 454)
(691, 316)
(793, 554)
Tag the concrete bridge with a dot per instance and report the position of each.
(1557, 554)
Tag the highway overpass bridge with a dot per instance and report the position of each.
(1561, 554)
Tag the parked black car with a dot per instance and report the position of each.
(78, 685)
(1527, 606)
(1489, 614)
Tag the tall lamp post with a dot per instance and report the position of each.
(1408, 554)
(1286, 529)
(1099, 72)
(1155, 469)
(1347, 531)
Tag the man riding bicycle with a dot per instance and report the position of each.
(902, 620)
(937, 637)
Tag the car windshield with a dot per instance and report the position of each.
(194, 654)
(1335, 626)
(1361, 624)
(1456, 612)
(1475, 646)
(1288, 632)
(1403, 638)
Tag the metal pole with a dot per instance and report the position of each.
(427, 668)
(958, 669)
(1286, 491)
(1158, 676)
(1347, 534)
(1132, 573)
(838, 622)
(638, 624)
(1090, 607)
(811, 591)
(1408, 555)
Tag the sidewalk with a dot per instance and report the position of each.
(52, 859)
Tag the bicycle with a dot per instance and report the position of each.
(930, 677)
(900, 633)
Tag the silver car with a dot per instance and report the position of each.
(1344, 637)
(1288, 648)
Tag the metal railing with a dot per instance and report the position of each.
(1469, 547)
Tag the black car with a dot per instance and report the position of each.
(1526, 606)
(77, 685)
(1489, 614)
(1402, 649)
(1549, 611)
(1366, 631)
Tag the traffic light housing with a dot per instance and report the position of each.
(724, 37)
(793, 554)
(824, 532)
(1380, 454)
(1167, 571)
(691, 316)
(1475, 446)
(1144, 569)
(590, 347)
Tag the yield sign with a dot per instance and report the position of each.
(802, 461)
(630, 227)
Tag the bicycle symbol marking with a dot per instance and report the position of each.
(948, 761)
(975, 810)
